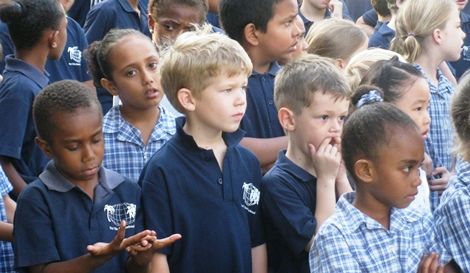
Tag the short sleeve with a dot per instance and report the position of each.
(97, 23)
(279, 202)
(15, 114)
(330, 253)
(370, 17)
(33, 230)
(5, 186)
(256, 220)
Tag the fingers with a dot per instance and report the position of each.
(161, 243)
(135, 239)
(430, 264)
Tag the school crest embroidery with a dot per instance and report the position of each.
(118, 212)
(250, 196)
(75, 55)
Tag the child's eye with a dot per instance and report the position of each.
(153, 65)
(131, 73)
(419, 108)
(228, 90)
(245, 88)
(168, 27)
(324, 117)
(97, 140)
(288, 23)
(342, 118)
(71, 148)
(407, 169)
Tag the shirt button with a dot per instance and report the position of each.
(220, 181)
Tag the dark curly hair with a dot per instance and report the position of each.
(62, 96)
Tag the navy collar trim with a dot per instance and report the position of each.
(284, 163)
(55, 181)
(17, 65)
(230, 139)
(273, 69)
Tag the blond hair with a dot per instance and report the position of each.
(197, 57)
(335, 38)
(298, 80)
(360, 64)
(460, 112)
(416, 20)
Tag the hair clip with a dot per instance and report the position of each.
(369, 98)
(411, 34)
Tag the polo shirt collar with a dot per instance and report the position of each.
(353, 219)
(464, 18)
(126, 6)
(55, 181)
(273, 69)
(290, 167)
(231, 139)
(31, 72)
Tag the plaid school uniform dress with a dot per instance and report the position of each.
(7, 258)
(452, 219)
(125, 152)
(351, 241)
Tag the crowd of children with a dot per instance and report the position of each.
(280, 140)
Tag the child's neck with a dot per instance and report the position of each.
(34, 57)
(144, 120)
(311, 13)
(207, 138)
(134, 4)
(261, 64)
(429, 60)
(299, 158)
(370, 206)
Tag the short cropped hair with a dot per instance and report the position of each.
(236, 14)
(59, 97)
(197, 57)
(296, 83)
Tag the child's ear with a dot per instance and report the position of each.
(340, 63)
(250, 33)
(286, 118)
(364, 170)
(53, 38)
(151, 23)
(186, 99)
(437, 36)
(109, 85)
(44, 146)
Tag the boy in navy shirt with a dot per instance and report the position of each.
(202, 183)
(75, 204)
(268, 32)
(300, 191)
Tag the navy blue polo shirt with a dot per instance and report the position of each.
(7, 44)
(382, 37)
(288, 202)
(370, 18)
(55, 220)
(21, 83)
(463, 63)
(72, 64)
(110, 14)
(216, 211)
(260, 120)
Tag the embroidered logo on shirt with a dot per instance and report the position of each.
(75, 55)
(118, 212)
(250, 196)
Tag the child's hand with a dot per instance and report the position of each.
(326, 160)
(441, 181)
(120, 243)
(430, 264)
(142, 254)
(336, 8)
(427, 165)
